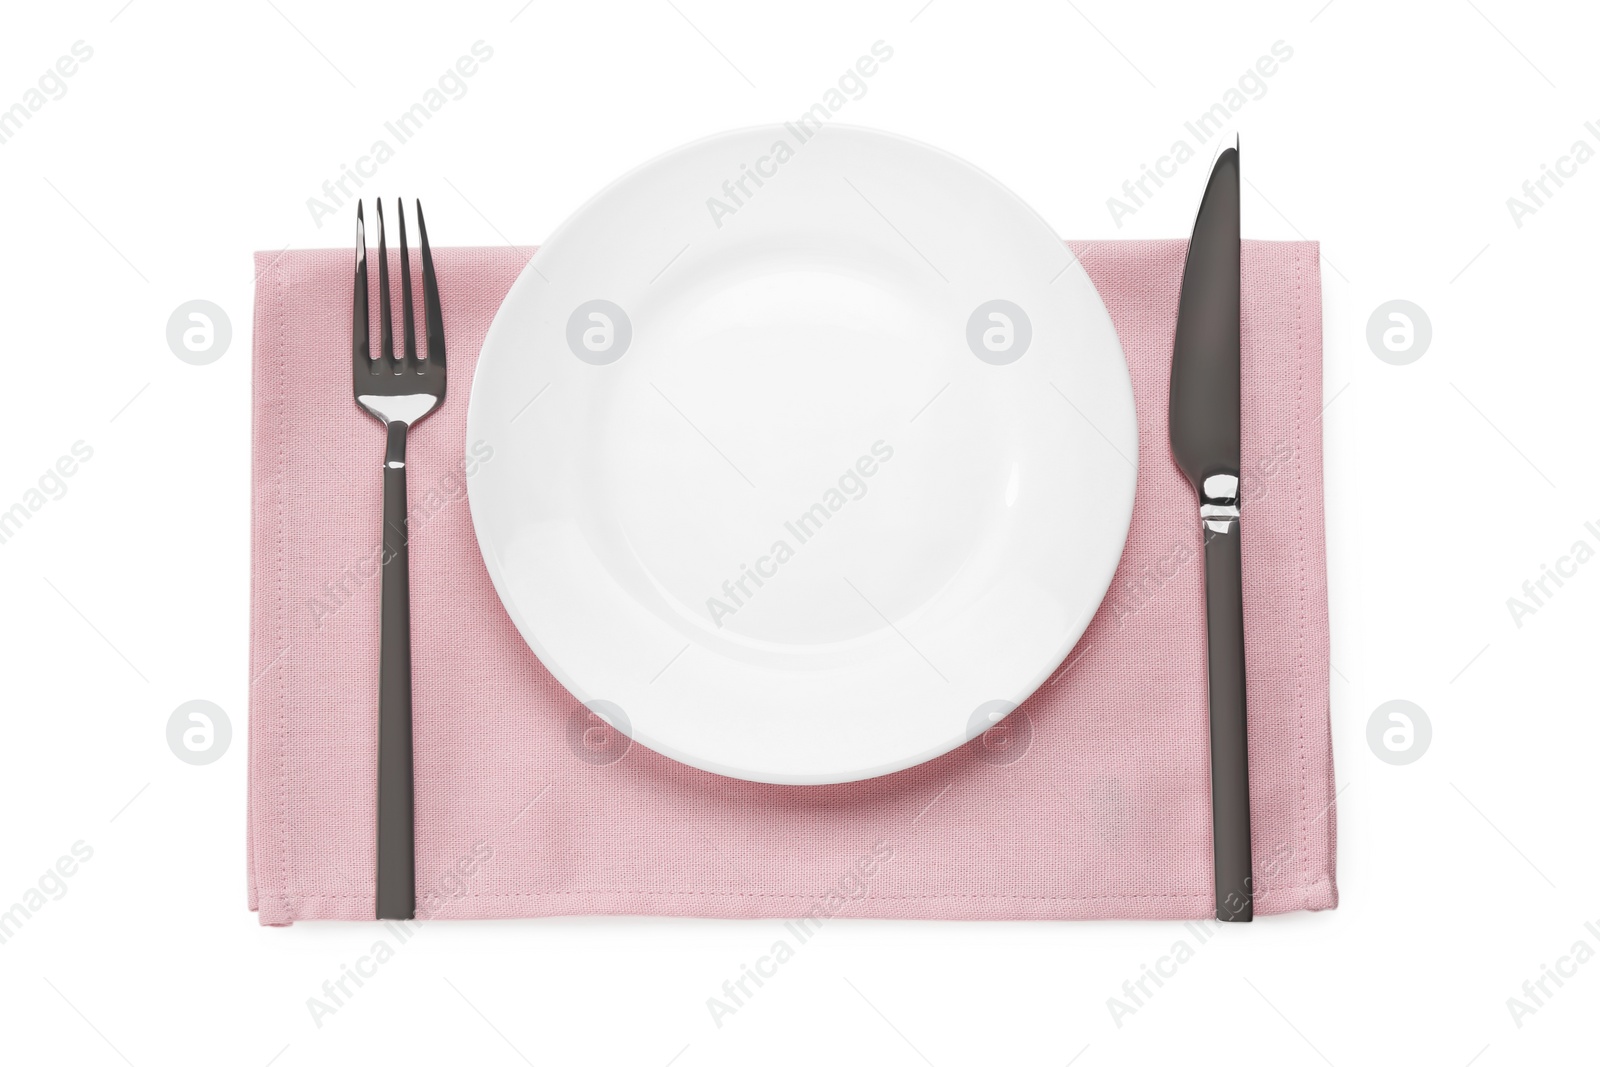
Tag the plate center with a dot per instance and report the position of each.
(792, 388)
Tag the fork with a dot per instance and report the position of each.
(398, 391)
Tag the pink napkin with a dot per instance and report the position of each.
(1090, 801)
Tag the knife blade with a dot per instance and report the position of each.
(1203, 425)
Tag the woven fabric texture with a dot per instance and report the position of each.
(1090, 801)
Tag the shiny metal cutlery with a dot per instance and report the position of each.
(399, 391)
(1203, 423)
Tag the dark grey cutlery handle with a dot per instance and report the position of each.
(397, 878)
(1230, 763)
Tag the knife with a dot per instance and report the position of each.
(1203, 423)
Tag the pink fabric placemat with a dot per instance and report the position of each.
(1090, 801)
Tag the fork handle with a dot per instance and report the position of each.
(397, 879)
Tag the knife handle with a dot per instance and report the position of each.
(396, 894)
(1230, 765)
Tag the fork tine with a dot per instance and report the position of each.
(386, 320)
(360, 345)
(410, 331)
(433, 317)
(385, 312)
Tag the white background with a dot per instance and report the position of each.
(1394, 134)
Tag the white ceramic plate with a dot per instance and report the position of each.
(811, 458)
